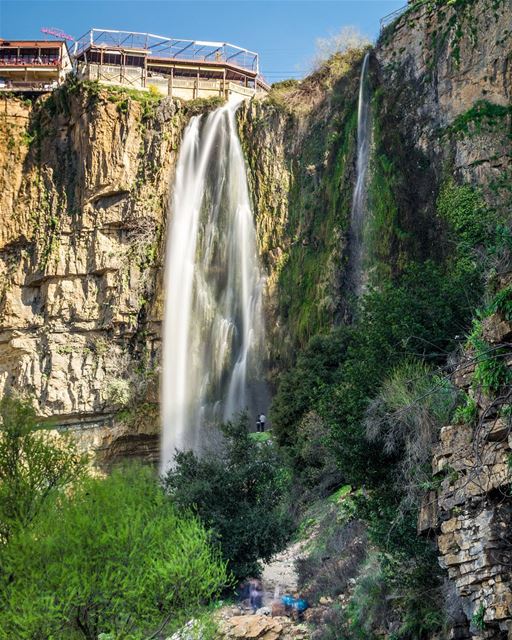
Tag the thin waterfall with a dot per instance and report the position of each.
(359, 197)
(213, 332)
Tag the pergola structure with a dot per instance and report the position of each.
(186, 68)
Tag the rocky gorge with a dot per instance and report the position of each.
(85, 178)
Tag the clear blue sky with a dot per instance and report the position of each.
(284, 32)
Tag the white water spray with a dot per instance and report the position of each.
(359, 196)
(213, 320)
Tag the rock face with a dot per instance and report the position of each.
(449, 82)
(84, 182)
(300, 149)
(471, 512)
(84, 178)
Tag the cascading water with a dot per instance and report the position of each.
(213, 321)
(359, 196)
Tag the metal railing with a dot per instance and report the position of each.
(149, 44)
(26, 61)
(391, 17)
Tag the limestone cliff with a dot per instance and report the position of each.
(84, 186)
(300, 149)
(84, 177)
(442, 84)
(448, 85)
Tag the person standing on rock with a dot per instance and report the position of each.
(261, 420)
(256, 595)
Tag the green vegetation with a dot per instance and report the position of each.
(82, 556)
(377, 391)
(114, 558)
(357, 410)
(303, 230)
(35, 465)
(471, 223)
(121, 97)
(467, 412)
(238, 494)
(307, 278)
(203, 105)
(478, 619)
(261, 438)
(482, 116)
(491, 370)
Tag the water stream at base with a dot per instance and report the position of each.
(213, 332)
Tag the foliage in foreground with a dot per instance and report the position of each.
(35, 465)
(113, 558)
(239, 494)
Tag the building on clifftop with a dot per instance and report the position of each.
(33, 65)
(185, 69)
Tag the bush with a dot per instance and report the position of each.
(113, 558)
(239, 494)
(471, 221)
(314, 459)
(405, 417)
(301, 386)
(35, 464)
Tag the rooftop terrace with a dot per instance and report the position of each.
(170, 48)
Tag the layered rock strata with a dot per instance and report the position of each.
(84, 177)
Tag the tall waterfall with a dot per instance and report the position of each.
(359, 196)
(213, 320)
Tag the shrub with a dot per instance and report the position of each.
(238, 494)
(471, 221)
(35, 464)
(301, 386)
(491, 370)
(113, 558)
(466, 413)
(369, 608)
(502, 303)
(314, 459)
(334, 625)
(406, 416)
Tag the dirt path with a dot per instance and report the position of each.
(279, 574)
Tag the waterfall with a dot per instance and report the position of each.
(213, 331)
(359, 196)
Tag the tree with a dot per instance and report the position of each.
(239, 494)
(34, 464)
(348, 38)
(114, 557)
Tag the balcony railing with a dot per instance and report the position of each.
(24, 61)
(391, 17)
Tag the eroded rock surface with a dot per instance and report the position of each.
(85, 183)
